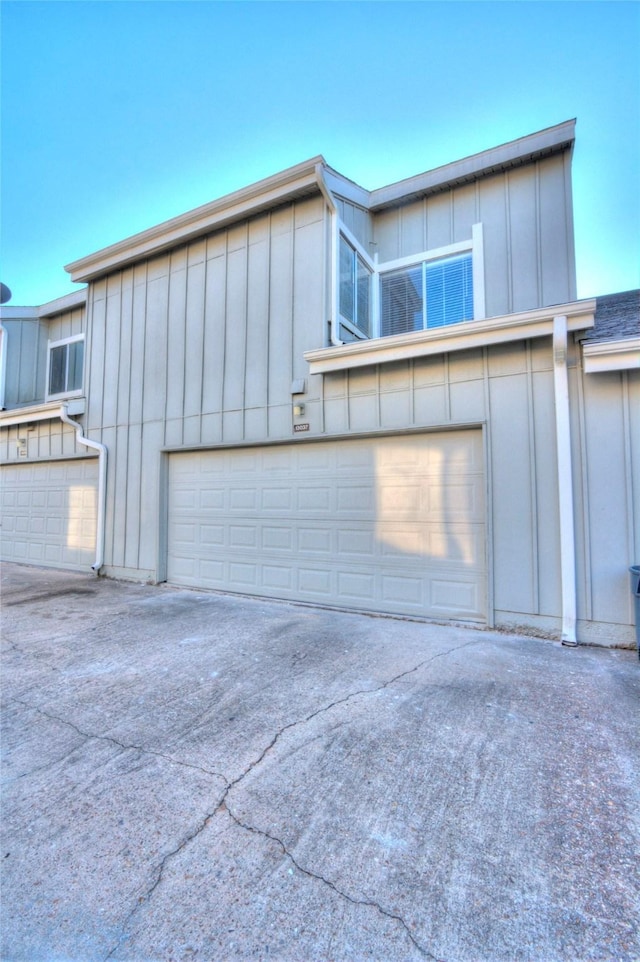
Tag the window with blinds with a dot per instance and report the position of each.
(427, 295)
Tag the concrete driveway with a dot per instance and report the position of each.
(192, 776)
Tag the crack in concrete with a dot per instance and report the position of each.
(146, 896)
(222, 806)
(371, 903)
(114, 741)
(335, 704)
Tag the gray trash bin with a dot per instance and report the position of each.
(634, 570)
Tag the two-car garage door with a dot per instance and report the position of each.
(49, 512)
(390, 524)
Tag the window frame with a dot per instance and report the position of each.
(344, 234)
(55, 345)
(421, 262)
(473, 245)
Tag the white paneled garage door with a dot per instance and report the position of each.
(381, 524)
(49, 513)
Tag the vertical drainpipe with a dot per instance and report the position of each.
(333, 210)
(102, 483)
(565, 482)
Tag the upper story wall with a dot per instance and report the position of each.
(24, 348)
(205, 340)
(27, 333)
(527, 228)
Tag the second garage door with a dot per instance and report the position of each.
(49, 513)
(391, 524)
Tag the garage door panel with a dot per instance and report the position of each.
(277, 539)
(315, 499)
(448, 595)
(277, 499)
(212, 534)
(381, 524)
(243, 536)
(403, 589)
(212, 499)
(49, 513)
(316, 582)
(278, 577)
(315, 541)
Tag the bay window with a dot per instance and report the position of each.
(422, 292)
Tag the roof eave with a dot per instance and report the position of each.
(293, 182)
(513, 154)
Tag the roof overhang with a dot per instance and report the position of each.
(612, 355)
(295, 182)
(68, 302)
(516, 153)
(41, 412)
(457, 337)
(60, 305)
(304, 180)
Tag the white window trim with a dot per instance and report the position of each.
(474, 245)
(344, 322)
(462, 247)
(50, 347)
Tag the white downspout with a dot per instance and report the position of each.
(565, 482)
(102, 482)
(334, 321)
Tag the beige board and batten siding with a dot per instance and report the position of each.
(606, 442)
(28, 332)
(25, 344)
(390, 524)
(200, 346)
(49, 513)
(526, 219)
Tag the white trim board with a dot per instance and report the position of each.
(456, 337)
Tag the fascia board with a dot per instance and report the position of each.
(346, 189)
(217, 214)
(470, 168)
(619, 355)
(40, 412)
(18, 313)
(457, 337)
(66, 303)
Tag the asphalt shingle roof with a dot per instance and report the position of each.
(617, 316)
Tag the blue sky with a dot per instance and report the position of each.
(118, 115)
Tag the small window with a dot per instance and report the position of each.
(355, 291)
(66, 367)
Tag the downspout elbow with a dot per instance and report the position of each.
(102, 482)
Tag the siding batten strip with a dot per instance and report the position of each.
(533, 481)
(565, 481)
(628, 471)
